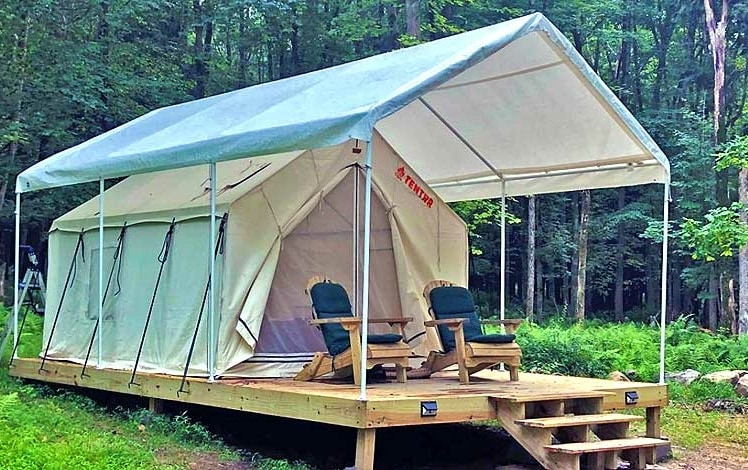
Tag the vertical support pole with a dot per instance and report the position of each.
(365, 443)
(365, 280)
(212, 346)
(663, 287)
(155, 405)
(17, 265)
(356, 208)
(502, 274)
(653, 422)
(99, 343)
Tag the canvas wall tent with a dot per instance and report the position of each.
(290, 216)
(510, 109)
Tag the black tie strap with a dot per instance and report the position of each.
(162, 258)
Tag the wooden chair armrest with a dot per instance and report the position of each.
(392, 321)
(446, 322)
(341, 320)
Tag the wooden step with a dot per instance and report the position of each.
(519, 397)
(578, 448)
(578, 420)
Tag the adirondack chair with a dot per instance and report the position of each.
(332, 313)
(461, 334)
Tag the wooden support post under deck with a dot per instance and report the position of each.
(155, 405)
(365, 441)
(653, 430)
(653, 422)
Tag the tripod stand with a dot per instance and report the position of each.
(32, 297)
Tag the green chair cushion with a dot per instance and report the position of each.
(330, 300)
(492, 339)
(387, 338)
(456, 302)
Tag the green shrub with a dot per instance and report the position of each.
(595, 348)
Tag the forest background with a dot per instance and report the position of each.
(72, 69)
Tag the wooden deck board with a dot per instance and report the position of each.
(578, 420)
(605, 446)
(388, 404)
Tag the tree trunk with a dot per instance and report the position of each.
(203, 30)
(717, 32)
(618, 301)
(584, 217)
(624, 57)
(540, 291)
(20, 56)
(743, 258)
(413, 18)
(243, 50)
(731, 307)
(530, 293)
(713, 306)
(575, 256)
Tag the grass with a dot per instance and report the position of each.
(45, 428)
(42, 427)
(691, 428)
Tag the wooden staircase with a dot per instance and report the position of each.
(569, 431)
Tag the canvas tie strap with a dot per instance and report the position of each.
(217, 251)
(162, 258)
(115, 264)
(79, 248)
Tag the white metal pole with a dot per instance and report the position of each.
(502, 274)
(365, 280)
(99, 344)
(212, 346)
(354, 279)
(16, 300)
(663, 287)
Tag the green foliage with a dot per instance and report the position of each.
(595, 348)
(721, 234)
(483, 218)
(702, 391)
(734, 154)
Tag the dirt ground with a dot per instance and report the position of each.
(710, 457)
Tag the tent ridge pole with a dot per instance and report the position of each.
(663, 287)
(212, 347)
(17, 263)
(365, 281)
(100, 322)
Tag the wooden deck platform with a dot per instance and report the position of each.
(488, 397)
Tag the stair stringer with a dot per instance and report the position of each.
(533, 440)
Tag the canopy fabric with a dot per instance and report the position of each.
(511, 107)
(275, 240)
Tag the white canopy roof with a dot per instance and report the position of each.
(512, 102)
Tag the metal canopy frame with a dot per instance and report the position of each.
(365, 284)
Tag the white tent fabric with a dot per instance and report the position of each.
(511, 102)
(289, 218)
